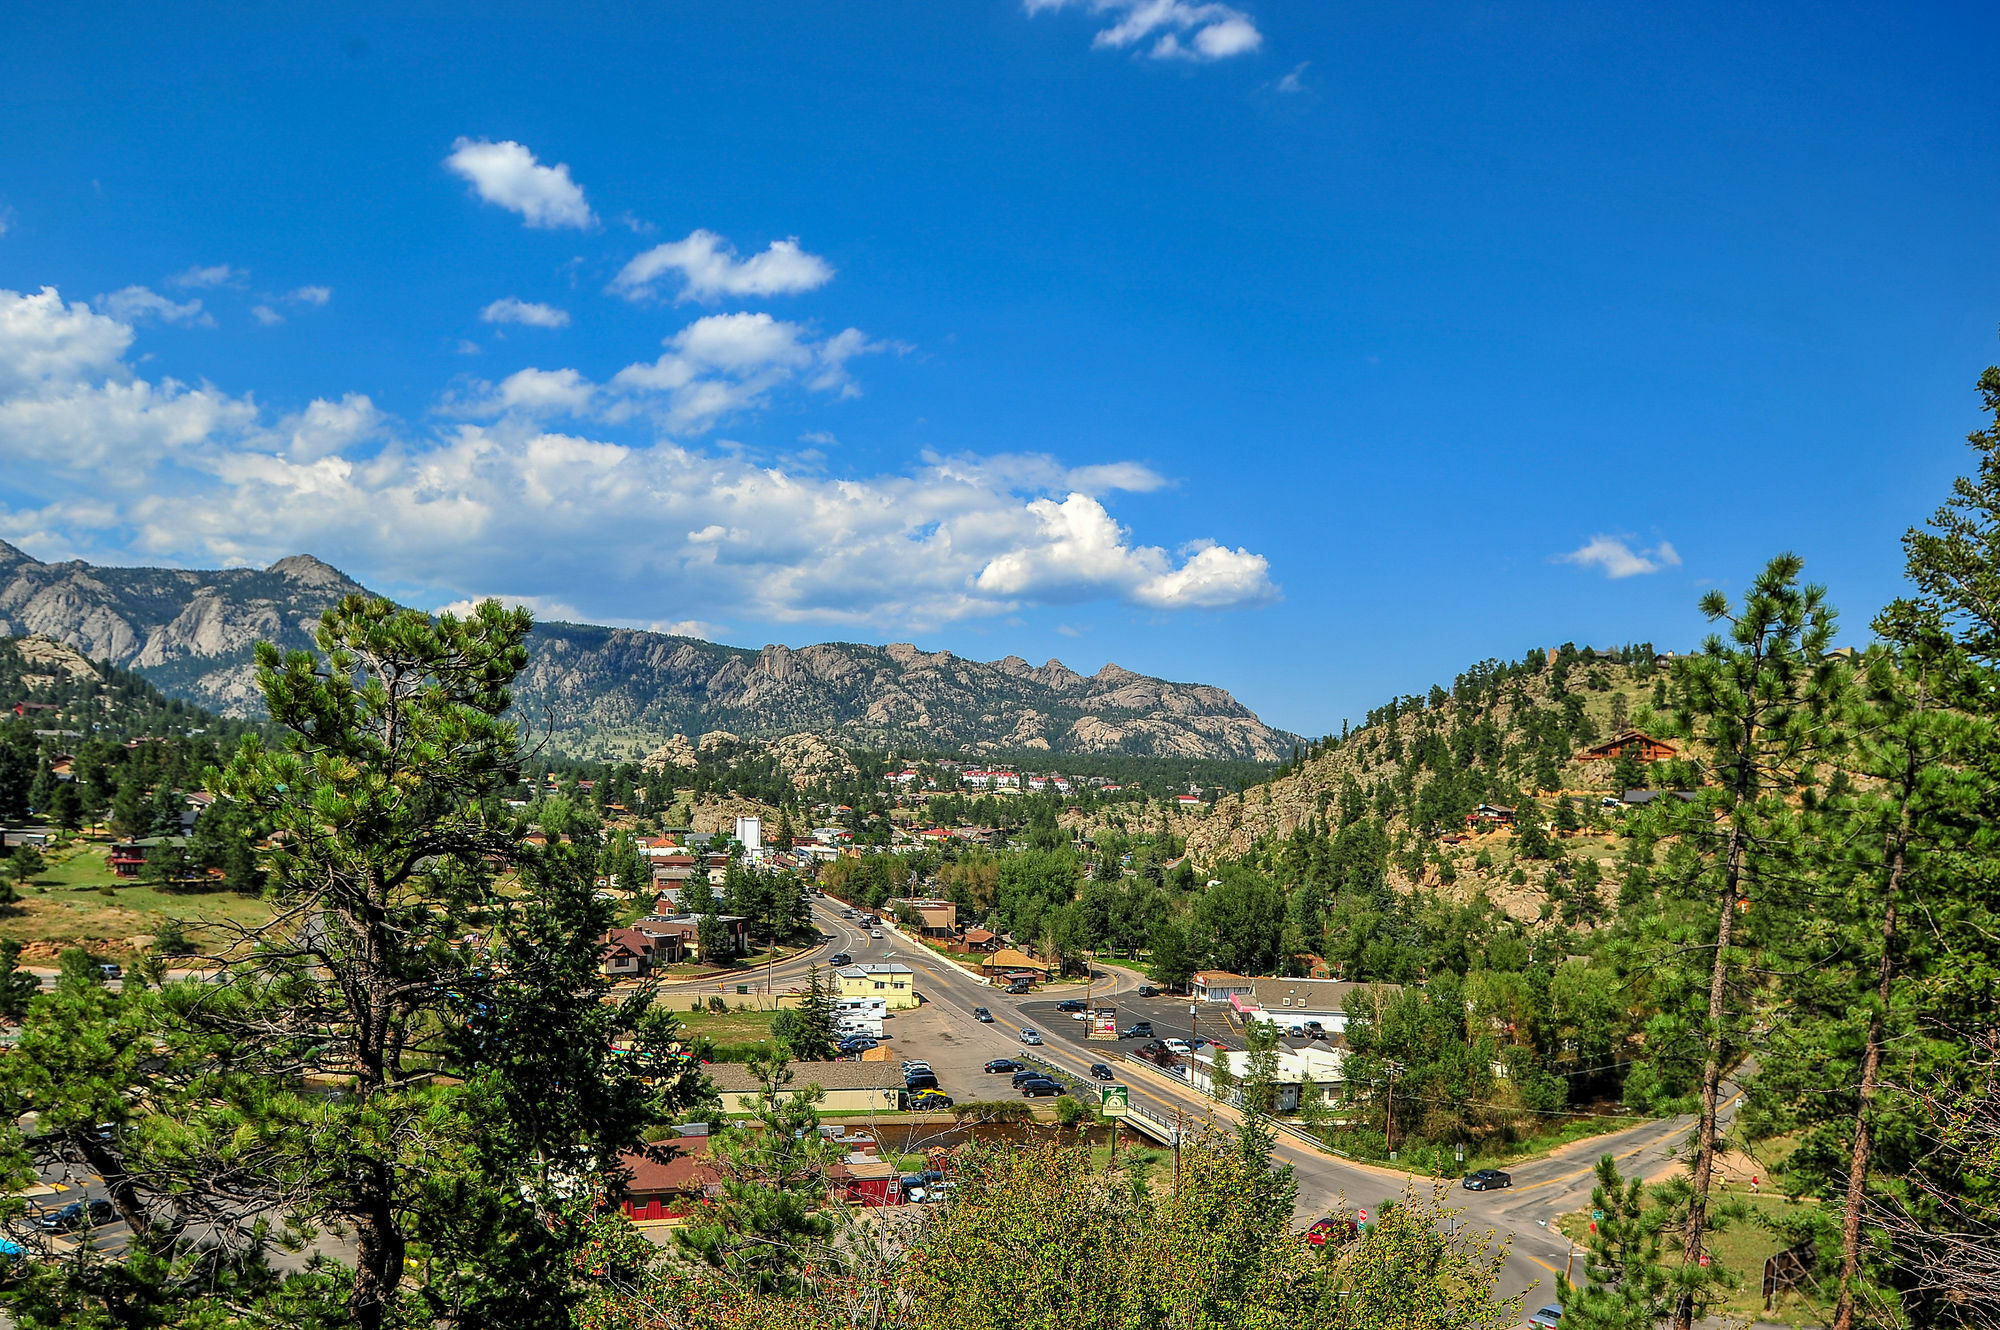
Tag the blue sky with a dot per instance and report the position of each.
(1311, 350)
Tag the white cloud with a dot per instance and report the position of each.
(45, 342)
(1294, 81)
(507, 174)
(1616, 557)
(709, 269)
(219, 275)
(529, 312)
(6, 220)
(1177, 29)
(137, 304)
(588, 527)
(267, 316)
(726, 363)
(312, 295)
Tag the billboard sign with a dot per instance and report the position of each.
(1103, 1025)
(1117, 1101)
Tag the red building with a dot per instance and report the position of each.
(1631, 743)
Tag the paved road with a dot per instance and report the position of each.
(1524, 1214)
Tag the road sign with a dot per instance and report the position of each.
(1117, 1101)
(1596, 1216)
(1103, 1025)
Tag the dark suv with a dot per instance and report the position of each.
(1137, 1030)
(71, 1217)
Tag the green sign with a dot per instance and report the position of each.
(1117, 1101)
(1596, 1216)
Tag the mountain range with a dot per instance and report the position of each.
(618, 692)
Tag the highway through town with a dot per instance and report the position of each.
(1523, 1215)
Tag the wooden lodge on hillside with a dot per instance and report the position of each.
(1630, 743)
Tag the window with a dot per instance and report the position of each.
(879, 985)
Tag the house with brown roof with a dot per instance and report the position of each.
(1328, 1001)
(1007, 961)
(1630, 743)
(1219, 985)
(669, 1189)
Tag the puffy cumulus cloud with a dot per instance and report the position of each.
(1082, 553)
(726, 363)
(137, 304)
(507, 174)
(43, 341)
(533, 314)
(1616, 558)
(267, 316)
(572, 524)
(709, 269)
(1167, 29)
(312, 295)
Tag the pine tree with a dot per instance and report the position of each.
(1765, 700)
(769, 1224)
(1627, 1285)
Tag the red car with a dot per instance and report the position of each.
(1322, 1229)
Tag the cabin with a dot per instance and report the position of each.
(669, 1190)
(1491, 815)
(1630, 743)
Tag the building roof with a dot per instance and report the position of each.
(978, 935)
(736, 1078)
(863, 971)
(688, 1171)
(1222, 979)
(1309, 995)
(1008, 958)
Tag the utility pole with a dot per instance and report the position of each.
(1177, 1149)
(1389, 1131)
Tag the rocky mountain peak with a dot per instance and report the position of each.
(309, 572)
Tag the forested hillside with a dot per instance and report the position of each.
(1400, 790)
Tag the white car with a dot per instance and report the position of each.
(875, 933)
(1180, 1046)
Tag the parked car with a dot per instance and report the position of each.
(1487, 1179)
(1156, 1046)
(1137, 1030)
(1041, 1088)
(929, 1101)
(1330, 1228)
(1180, 1046)
(1101, 1072)
(1018, 987)
(1003, 1064)
(919, 1080)
(856, 1043)
(915, 1064)
(1070, 1004)
(840, 958)
(982, 1015)
(110, 970)
(1029, 1036)
(1549, 1317)
(71, 1217)
(1027, 1073)
(1314, 1030)
(913, 1187)
(1147, 990)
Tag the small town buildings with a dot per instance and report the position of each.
(1490, 816)
(851, 1087)
(1294, 1001)
(935, 918)
(980, 939)
(664, 939)
(1317, 1067)
(895, 983)
(1220, 985)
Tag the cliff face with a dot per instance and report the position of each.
(620, 692)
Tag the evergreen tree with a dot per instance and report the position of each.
(385, 792)
(1766, 701)
(1626, 1284)
(17, 987)
(770, 1224)
(805, 1033)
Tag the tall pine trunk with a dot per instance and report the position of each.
(1871, 1075)
(1711, 1075)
